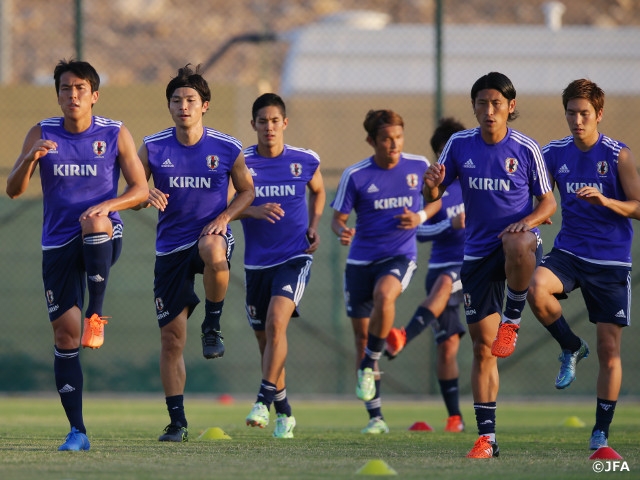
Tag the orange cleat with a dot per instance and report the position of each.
(396, 340)
(93, 335)
(483, 448)
(454, 424)
(505, 342)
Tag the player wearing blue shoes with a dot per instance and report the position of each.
(501, 171)
(384, 192)
(599, 191)
(281, 234)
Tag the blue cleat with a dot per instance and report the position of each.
(598, 440)
(569, 360)
(75, 441)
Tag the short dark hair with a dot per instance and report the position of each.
(586, 89)
(188, 77)
(495, 81)
(268, 100)
(446, 127)
(80, 69)
(379, 118)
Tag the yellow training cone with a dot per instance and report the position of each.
(214, 433)
(376, 467)
(573, 422)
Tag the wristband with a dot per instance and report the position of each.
(423, 216)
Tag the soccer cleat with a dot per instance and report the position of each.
(454, 424)
(396, 340)
(93, 335)
(505, 342)
(484, 448)
(75, 441)
(366, 387)
(212, 344)
(174, 433)
(259, 416)
(284, 426)
(598, 440)
(569, 360)
(376, 426)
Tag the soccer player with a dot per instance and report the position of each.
(440, 309)
(384, 191)
(599, 191)
(281, 234)
(80, 158)
(500, 171)
(191, 166)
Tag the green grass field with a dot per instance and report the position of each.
(533, 439)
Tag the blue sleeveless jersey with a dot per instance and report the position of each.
(377, 195)
(195, 177)
(447, 246)
(81, 173)
(498, 183)
(282, 180)
(591, 232)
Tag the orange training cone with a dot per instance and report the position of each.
(421, 427)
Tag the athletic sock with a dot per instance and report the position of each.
(372, 352)
(515, 305)
(281, 403)
(449, 390)
(604, 415)
(97, 250)
(561, 331)
(212, 314)
(267, 393)
(420, 320)
(69, 382)
(374, 406)
(175, 406)
(486, 418)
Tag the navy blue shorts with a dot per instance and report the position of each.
(606, 289)
(448, 324)
(483, 284)
(64, 274)
(174, 283)
(360, 281)
(288, 279)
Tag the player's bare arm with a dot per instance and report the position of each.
(271, 212)
(133, 172)
(432, 188)
(545, 207)
(33, 149)
(630, 180)
(408, 220)
(339, 227)
(245, 193)
(317, 199)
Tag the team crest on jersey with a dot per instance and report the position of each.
(412, 180)
(49, 295)
(602, 167)
(159, 304)
(511, 165)
(296, 169)
(99, 147)
(212, 162)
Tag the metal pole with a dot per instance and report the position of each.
(78, 32)
(438, 64)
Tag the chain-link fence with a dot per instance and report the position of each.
(332, 65)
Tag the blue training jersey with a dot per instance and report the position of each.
(82, 172)
(498, 183)
(282, 180)
(448, 243)
(591, 232)
(196, 178)
(377, 195)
